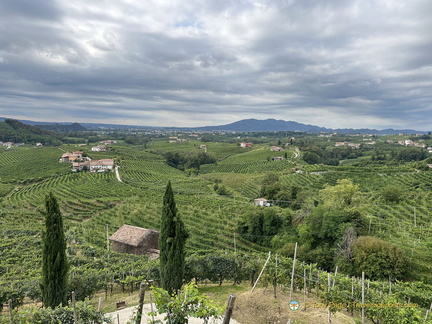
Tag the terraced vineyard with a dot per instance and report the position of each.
(91, 201)
(81, 195)
(30, 164)
(143, 172)
(211, 220)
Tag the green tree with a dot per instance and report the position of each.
(391, 193)
(189, 303)
(54, 262)
(323, 229)
(378, 259)
(172, 239)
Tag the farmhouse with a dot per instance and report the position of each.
(354, 145)
(243, 144)
(94, 165)
(70, 157)
(135, 240)
(261, 202)
(104, 164)
(99, 148)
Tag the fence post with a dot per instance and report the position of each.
(100, 304)
(10, 311)
(140, 303)
(363, 298)
(74, 308)
(229, 309)
(328, 290)
(334, 278)
(275, 277)
(304, 287)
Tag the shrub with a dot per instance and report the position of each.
(378, 259)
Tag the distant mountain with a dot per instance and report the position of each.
(273, 125)
(245, 125)
(267, 125)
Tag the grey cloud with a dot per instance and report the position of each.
(218, 60)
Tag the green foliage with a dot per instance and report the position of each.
(15, 131)
(344, 194)
(311, 157)
(391, 194)
(172, 239)
(408, 154)
(262, 224)
(89, 202)
(54, 262)
(378, 259)
(323, 229)
(137, 140)
(189, 303)
(61, 315)
(190, 160)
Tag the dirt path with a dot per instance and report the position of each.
(118, 174)
(124, 315)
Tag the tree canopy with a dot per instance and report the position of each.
(54, 262)
(172, 240)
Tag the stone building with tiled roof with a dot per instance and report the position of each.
(135, 240)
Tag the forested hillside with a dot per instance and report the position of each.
(12, 130)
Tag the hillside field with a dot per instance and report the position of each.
(212, 199)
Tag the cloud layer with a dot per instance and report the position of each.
(341, 63)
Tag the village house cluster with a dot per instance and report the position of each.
(176, 139)
(348, 144)
(10, 144)
(409, 142)
(81, 162)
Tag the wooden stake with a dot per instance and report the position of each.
(229, 309)
(99, 304)
(363, 298)
(74, 308)
(275, 277)
(293, 271)
(310, 278)
(10, 311)
(262, 270)
(334, 278)
(328, 290)
(140, 303)
(304, 287)
(107, 238)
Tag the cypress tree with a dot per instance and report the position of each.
(54, 262)
(172, 239)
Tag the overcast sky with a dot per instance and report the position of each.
(331, 63)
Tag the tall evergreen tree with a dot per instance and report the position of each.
(172, 240)
(54, 262)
